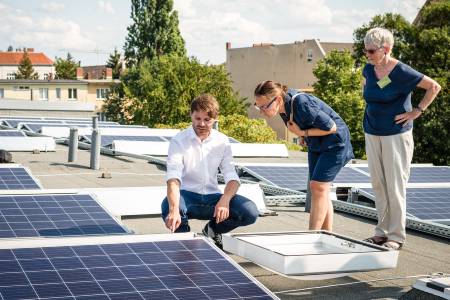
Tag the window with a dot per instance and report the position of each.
(102, 93)
(10, 76)
(45, 76)
(21, 88)
(58, 93)
(309, 56)
(2, 93)
(72, 94)
(43, 93)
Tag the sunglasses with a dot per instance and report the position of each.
(371, 51)
(266, 106)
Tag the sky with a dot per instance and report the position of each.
(91, 29)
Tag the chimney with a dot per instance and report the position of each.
(30, 50)
(108, 73)
(80, 74)
(228, 45)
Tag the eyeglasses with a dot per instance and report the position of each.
(371, 51)
(266, 106)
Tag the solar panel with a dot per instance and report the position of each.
(424, 203)
(107, 140)
(184, 269)
(11, 133)
(36, 127)
(54, 215)
(425, 174)
(16, 178)
(296, 177)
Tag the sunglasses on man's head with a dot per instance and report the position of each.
(266, 106)
(371, 51)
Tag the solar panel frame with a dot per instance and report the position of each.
(177, 266)
(423, 210)
(47, 214)
(11, 176)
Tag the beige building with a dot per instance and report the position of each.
(88, 88)
(290, 64)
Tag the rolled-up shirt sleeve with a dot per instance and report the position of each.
(174, 161)
(227, 167)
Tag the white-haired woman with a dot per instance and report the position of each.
(388, 123)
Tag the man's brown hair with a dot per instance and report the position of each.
(206, 103)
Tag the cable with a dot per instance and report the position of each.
(439, 274)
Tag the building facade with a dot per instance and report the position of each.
(289, 64)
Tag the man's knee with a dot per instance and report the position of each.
(164, 208)
(249, 212)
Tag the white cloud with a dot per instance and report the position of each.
(407, 8)
(105, 6)
(52, 6)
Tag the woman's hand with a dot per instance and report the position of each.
(292, 127)
(404, 118)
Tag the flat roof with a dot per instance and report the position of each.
(422, 254)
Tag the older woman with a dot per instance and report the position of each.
(388, 123)
(325, 133)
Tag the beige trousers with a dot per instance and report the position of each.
(389, 160)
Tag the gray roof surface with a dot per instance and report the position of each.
(422, 254)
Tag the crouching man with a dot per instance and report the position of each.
(195, 155)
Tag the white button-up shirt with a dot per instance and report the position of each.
(195, 163)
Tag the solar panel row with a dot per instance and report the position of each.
(425, 203)
(11, 133)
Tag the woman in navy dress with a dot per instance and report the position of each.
(325, 133)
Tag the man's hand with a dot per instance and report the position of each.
(222, 210)
(173, 220)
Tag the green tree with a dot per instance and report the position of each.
(25, 69)
(161, 90)
(115, 64)
(402, 30)
(339, 85)
(431, 57)
(153, 32)
(66, 68)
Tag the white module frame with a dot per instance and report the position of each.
(309, 252)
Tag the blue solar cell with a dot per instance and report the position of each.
(95, 271)
(55, 215)
(11, 133)
(425, 174)
(16, 178)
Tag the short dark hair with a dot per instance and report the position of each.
(206, 103)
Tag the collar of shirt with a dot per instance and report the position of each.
(194, 136)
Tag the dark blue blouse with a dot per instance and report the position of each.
(383, 104)
(311, 112)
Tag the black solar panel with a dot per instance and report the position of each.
(187, 269)
(107, 140)
(54, 215)
(16, 178)
(425, 203)
(296, 177)
(425, 174)
(11, 133)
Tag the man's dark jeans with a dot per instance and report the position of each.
(197, 206)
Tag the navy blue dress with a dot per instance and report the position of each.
(326, 154)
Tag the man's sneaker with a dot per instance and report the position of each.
(215, 237)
